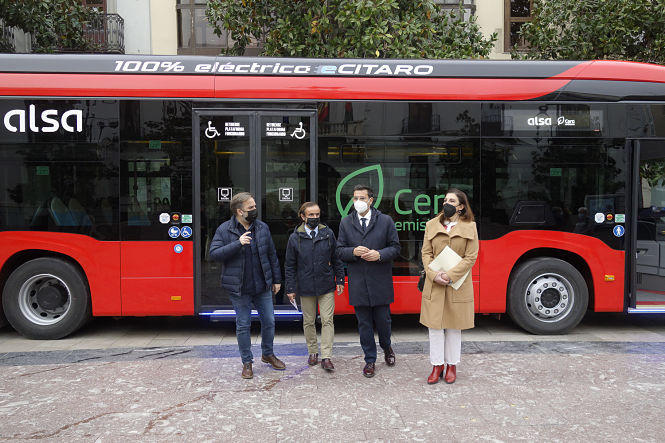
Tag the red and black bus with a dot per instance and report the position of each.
(116, 170)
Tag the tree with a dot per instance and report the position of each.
(54, 24)
(349, 28)
(596, 29)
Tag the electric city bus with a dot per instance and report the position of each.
(115, 172)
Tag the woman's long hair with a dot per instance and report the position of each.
(467, 213)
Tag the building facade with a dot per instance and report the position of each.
(180, 27)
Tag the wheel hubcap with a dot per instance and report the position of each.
(44, 299)
(549, 297)
(51, 297)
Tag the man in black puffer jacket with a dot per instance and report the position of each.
(314, 272)
(251, 275)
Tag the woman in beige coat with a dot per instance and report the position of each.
(445, 310)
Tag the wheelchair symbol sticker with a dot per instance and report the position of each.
(174, 232)
(299, 132)
(211, 131)
(286, 194)
(618, 231)
(186, 232)
(224, 194)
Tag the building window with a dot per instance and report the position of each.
(195, 35)
(468, 5)
(517, 12)
(99, 5)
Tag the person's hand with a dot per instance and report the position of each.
(370, 255)
(246, 238)
(358, 251)
(340, 289)
(442, 278)
(275, 288)
(292, 296)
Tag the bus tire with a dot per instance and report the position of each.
(547, 296)
(46, 299)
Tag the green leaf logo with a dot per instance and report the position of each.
(344, 210)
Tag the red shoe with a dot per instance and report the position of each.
(437, 372)
(451, 374)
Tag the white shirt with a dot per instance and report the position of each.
(367, 217)
(316, 230)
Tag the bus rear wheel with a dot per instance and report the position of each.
(547, 296)
(46, 298)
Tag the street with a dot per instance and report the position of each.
(178, 379)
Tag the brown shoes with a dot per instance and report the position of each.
(313, 359)
(437, 373)
(368, 370)
(390, 356)
(273, 361)
(451, 374)
(247, 370)
(326, 364)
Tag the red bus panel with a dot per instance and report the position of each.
(100, 261)
(498, 257)
(157, 280)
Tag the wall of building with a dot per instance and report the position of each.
(136, 14)
(164, 29)
(490, 14)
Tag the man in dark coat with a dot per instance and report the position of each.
(250, 275)
(313, 271)
(368, 243)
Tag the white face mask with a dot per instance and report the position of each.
(360, 206)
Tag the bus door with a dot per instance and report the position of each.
(270, 153)
(647, 261)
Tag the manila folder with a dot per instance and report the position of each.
(445, 261)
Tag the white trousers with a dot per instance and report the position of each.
(445, 346)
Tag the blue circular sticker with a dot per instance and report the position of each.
(618, 231)
(186, 232)
(174, 232)
(178, 248)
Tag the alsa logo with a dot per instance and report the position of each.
(70, 121)
(540, 121)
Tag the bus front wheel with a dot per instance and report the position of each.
(547, 296)
(46, 298)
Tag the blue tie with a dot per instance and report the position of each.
(364, 223)
(313, 234)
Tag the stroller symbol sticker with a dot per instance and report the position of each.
(224, 194)
(286, 194)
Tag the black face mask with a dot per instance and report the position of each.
(449, 210)
(312, 222)
(252, 215)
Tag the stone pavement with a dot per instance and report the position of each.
(603, 382)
